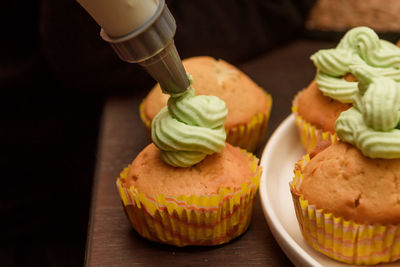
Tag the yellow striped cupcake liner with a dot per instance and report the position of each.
(146, 121)
(191, 220)
(341, 239)
(310, 135)
(248, 136)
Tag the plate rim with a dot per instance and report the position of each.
(291, 248)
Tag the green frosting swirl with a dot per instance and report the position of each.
(373, 51)
(336, 88)
(359, 46)
(372, 124)
(189, 128)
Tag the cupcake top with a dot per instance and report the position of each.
(151, 175)
(359, 46)
(189, 128)
(318, 109)
(344, 182)
(335, 86)
(243, 97)
(373, 123)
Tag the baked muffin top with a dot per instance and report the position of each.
(318, 109)
(359, 48)
(342, 181)
(243, 97)
(151, 175)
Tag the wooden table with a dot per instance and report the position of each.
(112, 242)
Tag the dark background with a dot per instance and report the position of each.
(55, 74)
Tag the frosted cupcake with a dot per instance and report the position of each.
(318, 106)
(347, 197)
(248, 104)
(190, 187)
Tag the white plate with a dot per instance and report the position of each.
(278, 159)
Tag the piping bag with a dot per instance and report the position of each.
(142, 31)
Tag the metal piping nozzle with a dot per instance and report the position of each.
(152, 46)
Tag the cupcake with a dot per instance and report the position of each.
(190, 187)
(347, 196)
(248, 105)
(318, 106)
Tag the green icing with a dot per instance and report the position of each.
(336, 88)
(335, 62)
(189, 128)
(372, 124)
(359, 46)
(205, 111)
(375, 52)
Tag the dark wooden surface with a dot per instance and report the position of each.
(112, 242)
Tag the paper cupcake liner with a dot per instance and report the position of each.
(191, 220)
(248, 136)
(340, 239)
(146, 121)
(251, 135)
(310, 135)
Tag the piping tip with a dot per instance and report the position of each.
(152, 46)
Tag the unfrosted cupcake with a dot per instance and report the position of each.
(347, 197)
(248, 104)
(190, 187)
(318, 106)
